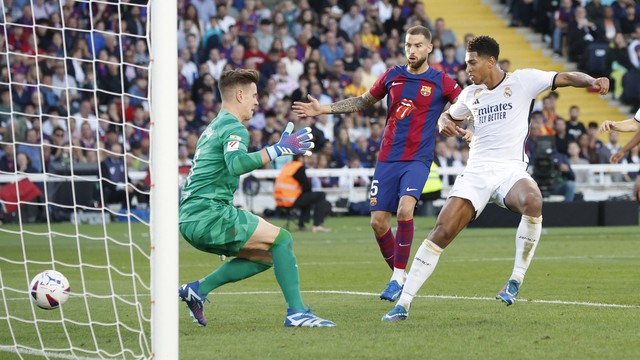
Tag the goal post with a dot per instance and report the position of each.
(89, 110)
(164, 209)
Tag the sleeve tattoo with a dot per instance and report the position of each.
(353, 104)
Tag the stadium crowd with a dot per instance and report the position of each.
(89, 85)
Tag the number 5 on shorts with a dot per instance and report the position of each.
(374, 188)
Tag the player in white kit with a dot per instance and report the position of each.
(499, 105)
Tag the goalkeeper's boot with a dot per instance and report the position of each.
(398, 313)
(509, 292)
(305, 318)
(190, 294)
(392, 291)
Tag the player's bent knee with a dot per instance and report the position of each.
(379, 225)
(532, 203)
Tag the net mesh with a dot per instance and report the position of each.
(74, 165)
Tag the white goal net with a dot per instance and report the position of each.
(78, 179)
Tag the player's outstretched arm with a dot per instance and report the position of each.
(240, 162)
(299, 143)
(582, 80)
(623, 126)
(353, 104)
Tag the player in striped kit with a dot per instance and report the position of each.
(500, 105)
(416, 95)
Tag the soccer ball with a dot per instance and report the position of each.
(49, 289)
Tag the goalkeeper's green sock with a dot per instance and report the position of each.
(286, 270)
(232, 271)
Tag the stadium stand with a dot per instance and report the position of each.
(331, 49)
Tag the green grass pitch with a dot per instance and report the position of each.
(580, 300)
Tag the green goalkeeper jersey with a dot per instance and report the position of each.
(220, 158)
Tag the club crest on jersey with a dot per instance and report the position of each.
(425, 90)
(507, 92)
(405, 108)
(373, 201)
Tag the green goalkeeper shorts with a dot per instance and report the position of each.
(223, 232)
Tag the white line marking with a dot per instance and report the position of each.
(362, 293)
(53, 355)
(447, 297)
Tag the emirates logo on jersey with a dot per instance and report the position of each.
(425, 90)
(405, 108)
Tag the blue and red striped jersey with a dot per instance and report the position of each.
(415, 103)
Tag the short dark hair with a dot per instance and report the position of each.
(484, 46)
(420, 30)
(231, 78)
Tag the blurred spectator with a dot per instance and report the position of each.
(580, 34)
(596, 11)
(561, 136)
(293, 189)
(7, 162)
(264, 35)
(395, 22)
(24, 164)
(356, 88)
(330, 51)
(461, 50)
(351, 21)
(574, 127)
(447, 36)
(225, 20)
(562, 17)
(629, 21)
(295, 68)
(618, 63)
(634, 48)
(573, 149)
(285, 84)
(370, 40)
(597, 147)
(253, 52)
(521, 12)
(564, 181)
(205, 9)
(449, 63)
(33, 149)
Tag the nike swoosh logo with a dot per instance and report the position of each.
(411, 189)
(403, 245)
(396, 83)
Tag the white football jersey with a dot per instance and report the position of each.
(501, 115)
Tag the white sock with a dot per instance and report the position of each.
(399, 275)
(527, 238)
(424, 263)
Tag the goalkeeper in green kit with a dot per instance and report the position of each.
(210, 222)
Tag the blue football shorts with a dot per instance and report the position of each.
(392, 180)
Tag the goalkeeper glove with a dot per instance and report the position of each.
(297, 144)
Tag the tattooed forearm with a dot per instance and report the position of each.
(575, 79)
(353, 104)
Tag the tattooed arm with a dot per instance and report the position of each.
(581, 80)
(353, 104)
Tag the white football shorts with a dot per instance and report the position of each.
(486, 182)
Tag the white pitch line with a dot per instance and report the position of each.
(362, 293)
(48, 354)
(447, 297)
